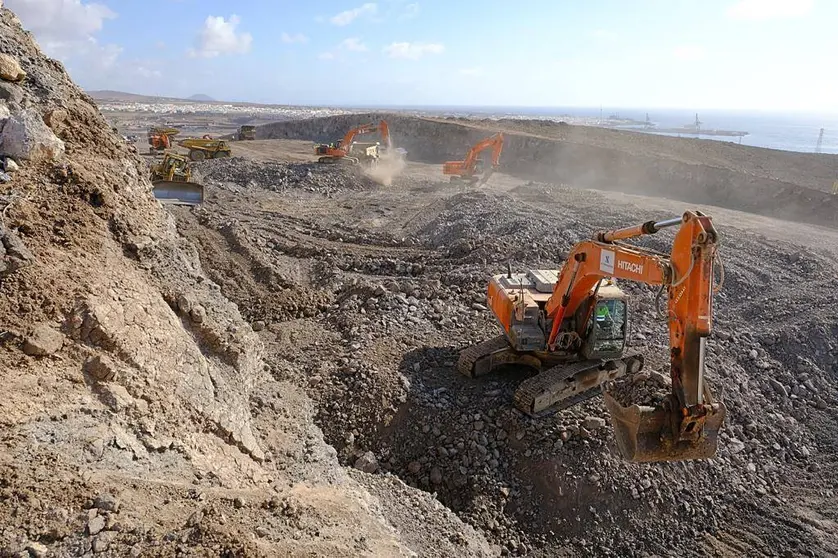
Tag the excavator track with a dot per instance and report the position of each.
(543, 395)
(470, 356)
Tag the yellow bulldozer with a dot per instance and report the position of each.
(172, 183)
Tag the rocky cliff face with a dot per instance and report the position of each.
(577, 162)
(128, 379)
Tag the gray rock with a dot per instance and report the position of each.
(592, 424)
(95, 525)
(26, 136)
(44, 341)
(11, 93)
(101, 368)
(195, 519)
(102, 542)
(778, 387)
(9, 165)
(436, 476)
(17, 254)
(258, 325)
(367, 463)
(414, 467)
(10, 69)
(198, 314)
(735, 446)
(37, 550)
(107, 502)
(116, 397)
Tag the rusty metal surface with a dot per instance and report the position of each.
(647, 434)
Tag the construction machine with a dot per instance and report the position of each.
(470, 169)
(571, 326)
(247, 133)
(172, 183)
(160, 139)
(205, 148)
(342, 150)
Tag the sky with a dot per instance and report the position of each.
(770, 55)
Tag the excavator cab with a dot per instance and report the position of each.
(606, 332)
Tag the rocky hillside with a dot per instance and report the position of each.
(725, 175)
(130, 417)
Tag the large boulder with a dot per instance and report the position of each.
(10, 70)
(25, 136)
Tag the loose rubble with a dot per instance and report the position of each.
(379, 362)
(237, 172)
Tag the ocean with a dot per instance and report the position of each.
(775, 130)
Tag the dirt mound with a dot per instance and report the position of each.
(791, 186)
(237, 172)
(138, 412)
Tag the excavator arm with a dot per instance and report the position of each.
(467, 167)
(382, 127)
(687, 425)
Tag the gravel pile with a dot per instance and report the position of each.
(238, 172)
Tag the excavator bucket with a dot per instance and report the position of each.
(178, 193)
(648, 434)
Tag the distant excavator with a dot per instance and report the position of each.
(571, 326)
(346, 151)
(160, 139)
(470, 169)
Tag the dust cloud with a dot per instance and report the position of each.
(389, 166)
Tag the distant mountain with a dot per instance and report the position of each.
(107, 95)
(122, 96)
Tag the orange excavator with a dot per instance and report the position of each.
(342, 151)
(571, 326)
(469, 169)
(160, 139)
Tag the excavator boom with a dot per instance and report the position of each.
(330, 153)
(467, 168)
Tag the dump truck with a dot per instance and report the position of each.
(247, 133)
(205, 148)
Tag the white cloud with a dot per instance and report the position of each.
(290, 39)
(354, 44)
(604, 35)
(410, 11)
(689, 53)
(769, 9)
(348, 16)
(148, 73)
(66, 29)
(477, 71)
(413, 51)
(61, 21)
(219, 36)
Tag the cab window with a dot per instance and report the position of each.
(609, 325)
